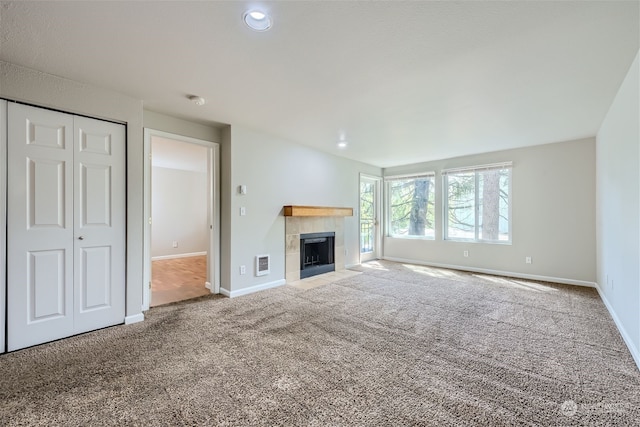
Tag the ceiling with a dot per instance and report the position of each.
(404, 82)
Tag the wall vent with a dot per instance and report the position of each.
(263, 265)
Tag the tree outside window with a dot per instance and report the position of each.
(477, 204)
(411, 206)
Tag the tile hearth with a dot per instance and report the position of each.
(323, 279)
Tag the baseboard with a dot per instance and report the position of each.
(128, 320)
(187, 255)
(352, 265)
(252, 289)
(496, 272)
(625, 336)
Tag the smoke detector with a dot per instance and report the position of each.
(198, 100)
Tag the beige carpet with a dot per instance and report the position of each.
(396, 345)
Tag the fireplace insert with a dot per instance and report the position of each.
(317, 253)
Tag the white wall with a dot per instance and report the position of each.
(278, 173)
(179, 211)
(33, 87)
(618, 209)
(170, 124)
(553, 216)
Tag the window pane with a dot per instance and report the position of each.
(493, 215)
(461, 205)
(490, 221)
(412, 207)
(367, 217)
(505, 188)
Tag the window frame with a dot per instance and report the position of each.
(387, 204)
(445, 202)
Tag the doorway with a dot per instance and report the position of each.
(369, 217)
(181, 207)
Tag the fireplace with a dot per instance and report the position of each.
(300, 220)
(317, 253)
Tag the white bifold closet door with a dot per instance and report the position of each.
(66, 225)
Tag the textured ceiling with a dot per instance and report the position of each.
(403, 81)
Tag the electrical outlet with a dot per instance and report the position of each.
(465, 253)
(243, 269)
(527, 260)
(175, 244)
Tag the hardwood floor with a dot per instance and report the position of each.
(178, 279)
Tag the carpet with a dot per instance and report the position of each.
(395, 345)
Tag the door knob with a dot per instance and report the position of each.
(81, 238)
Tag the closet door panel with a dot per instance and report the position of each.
(99, 216)
(40, 226)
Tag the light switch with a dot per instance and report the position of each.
(242, 189)
(243, 211)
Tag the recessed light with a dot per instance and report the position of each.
(256, 14)
(257, 20)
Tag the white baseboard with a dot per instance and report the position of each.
(252, 289)
(128, 320)
(497, 272)
(187, 255)
(635, 353)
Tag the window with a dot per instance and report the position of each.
(410, 206)
(477, 203)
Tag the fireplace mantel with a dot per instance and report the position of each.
(292, 210)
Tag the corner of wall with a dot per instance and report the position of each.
(225, 210)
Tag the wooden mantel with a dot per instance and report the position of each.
(316, 211)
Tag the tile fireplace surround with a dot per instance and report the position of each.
(296, 225)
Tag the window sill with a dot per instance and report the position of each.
(411, 237)
(487, 242)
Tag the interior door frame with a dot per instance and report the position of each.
(377, 233)
(213, 211)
